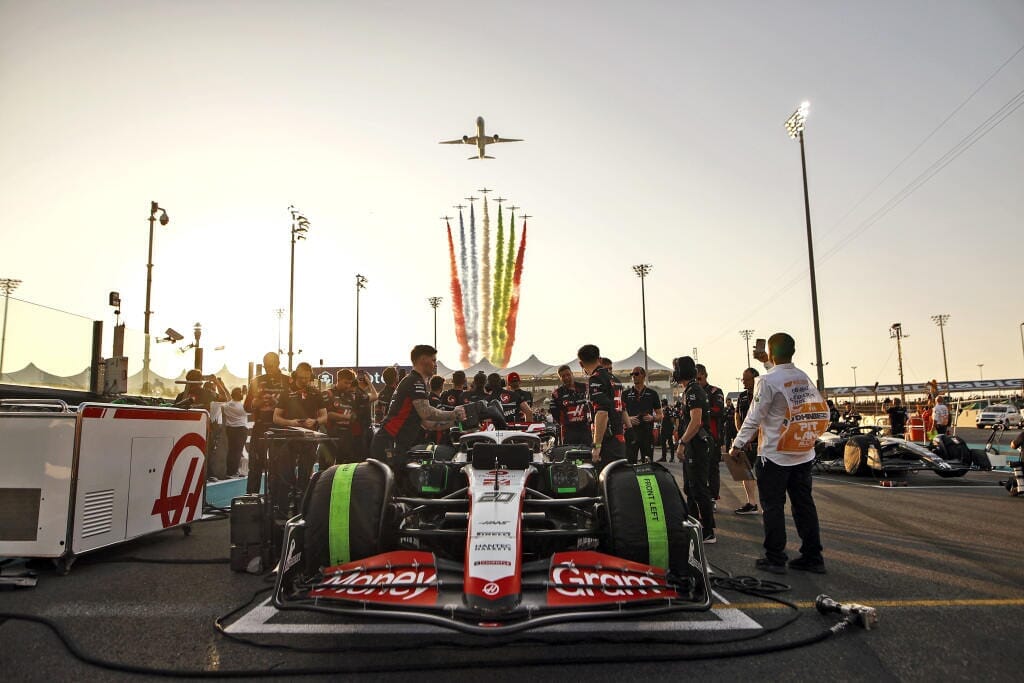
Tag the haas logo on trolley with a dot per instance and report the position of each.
(171, 505)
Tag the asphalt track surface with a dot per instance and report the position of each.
(941, 561)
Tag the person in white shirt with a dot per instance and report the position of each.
(789, 415)
(940, 416)
(236, 420)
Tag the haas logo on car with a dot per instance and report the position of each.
(378, 579)
(491, 589)
(587, 577)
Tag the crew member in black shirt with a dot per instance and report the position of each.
(571, 409)
(390, 377)
(668, 428)
(260, 401)
(197, 395)
(348, 415)
(478, 392)
(522, 399)
(716, 407)
(453, 397)
(695, 445)
(605, 394)
(642, 407)
(410, 411)
(897, 418)
(304, 407)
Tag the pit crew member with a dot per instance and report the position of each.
(605, 394)
(570, 408)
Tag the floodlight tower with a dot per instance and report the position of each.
(795, 128)
(154, 208)
(360, 285)
(896, 332)
(300, 226)
(434, 302)
(747, 334)
(941, 321)
(642, 271)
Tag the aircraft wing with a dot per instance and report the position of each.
(460, 141)
(505, 140)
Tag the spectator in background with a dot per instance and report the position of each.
(743, 403)
(236, 422)
(940, 415)
(897, 418)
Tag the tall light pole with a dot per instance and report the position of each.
(747, 334)
(981, 377)
(8, 285)
(164, 220)
(896, 332)
(434, 302)
(1022, 338)
(642, 271)
(197, 331)
(941, 321)
(279, 314)
(795, 128)
(300, 226)
(360, 284)
(854, 368)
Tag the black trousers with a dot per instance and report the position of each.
(291, 466)
(236, 441)
(640, 443)
(257, 458)
(715, 470)
(667, 444)
(577, 435)
(696, 469)
(941, 429)
(612, 449)
(774, 483)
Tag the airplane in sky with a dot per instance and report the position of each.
(481, 140)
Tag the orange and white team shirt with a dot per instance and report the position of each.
(787, 413)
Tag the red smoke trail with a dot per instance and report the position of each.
(460, 318)
(513, 307)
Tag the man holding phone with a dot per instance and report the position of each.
(790, 415)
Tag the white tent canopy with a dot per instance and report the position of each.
(637, 360)
(533, 367)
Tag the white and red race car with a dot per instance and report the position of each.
(494, 535)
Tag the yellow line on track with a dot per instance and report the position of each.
(982, 602)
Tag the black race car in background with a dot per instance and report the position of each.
(863, 451)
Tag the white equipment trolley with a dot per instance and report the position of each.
(73, 481)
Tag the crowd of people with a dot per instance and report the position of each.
(596, 411)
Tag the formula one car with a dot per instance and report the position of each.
(493, 535)
(862, 451)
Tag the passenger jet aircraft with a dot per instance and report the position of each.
(481, 140)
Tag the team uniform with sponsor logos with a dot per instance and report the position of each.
(716, 412)
(292, 461)
(351, 429)
(743, 403)
(696, 467)
(261, 401)
(788, 415)
(641, 437)
(571, 410)
(605, 393)
(402, 427)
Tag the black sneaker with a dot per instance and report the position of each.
(766, 565)
(807, 565)
(710, 538)
(747, 509)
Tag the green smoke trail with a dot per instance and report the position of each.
(506, 288)
(499, 283)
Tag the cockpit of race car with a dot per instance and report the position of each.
(497, 534)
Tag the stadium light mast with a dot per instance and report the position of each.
(434, 302)
(896, 332)
(8, 285)
(360, 285)
(795, 128)
(154, 208)
(941, 321)
(854, 368)
(642, 270)
(300, 226)
(747, 334)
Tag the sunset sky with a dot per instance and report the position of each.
(653, 134)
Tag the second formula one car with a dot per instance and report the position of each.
(863, 451)
(493, 535)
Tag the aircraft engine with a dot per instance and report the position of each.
(465, 138)
(496, 137)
